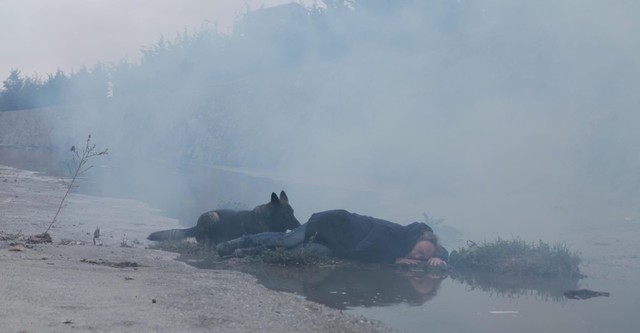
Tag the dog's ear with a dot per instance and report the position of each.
(283, 197)
(274, 199)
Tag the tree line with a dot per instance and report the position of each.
(200, 56)
(25, 92)
(263, 40)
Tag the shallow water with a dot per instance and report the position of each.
(611, 262)
(419, 302)
(460, 308)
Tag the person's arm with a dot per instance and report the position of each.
(375, 246)
(407, 261)
(434, 261)
(440, 257)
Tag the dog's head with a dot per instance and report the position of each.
(281, 216)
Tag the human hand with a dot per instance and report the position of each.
(435, 261)
(407, 261)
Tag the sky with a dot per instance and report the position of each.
(41, 36)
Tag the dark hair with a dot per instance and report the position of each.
(440, 251)
(428, 236)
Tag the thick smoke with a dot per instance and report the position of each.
(516, 117)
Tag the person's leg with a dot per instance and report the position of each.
(264, 239)
(287, 240)
(246, 241)
(312, 249)
(248, 251)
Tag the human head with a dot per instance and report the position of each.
(425, 247)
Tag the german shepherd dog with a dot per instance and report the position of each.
(224, 224)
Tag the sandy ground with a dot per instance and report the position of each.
(72, 285)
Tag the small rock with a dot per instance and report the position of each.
(584, 294)
(17, 248)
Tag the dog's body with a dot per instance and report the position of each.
(221, 225)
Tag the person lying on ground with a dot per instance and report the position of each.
(350, 236)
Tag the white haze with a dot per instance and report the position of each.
(41, 36)
(509, 117)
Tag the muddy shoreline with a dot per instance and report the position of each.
(120, 284)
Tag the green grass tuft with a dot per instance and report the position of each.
(517, 257)
(284, 257)
(182, 247)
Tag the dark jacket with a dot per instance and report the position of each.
(364, 238)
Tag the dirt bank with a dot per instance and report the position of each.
(119, 285)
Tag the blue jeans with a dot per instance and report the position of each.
(292, 241)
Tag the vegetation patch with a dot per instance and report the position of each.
(182, 247)
(284, 257)
(80, 160)
(10, 236)
(122, 264)
(517, 258)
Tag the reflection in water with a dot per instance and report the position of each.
(406, 299)
(500, 285)
(348, 287)
(364, 285)
(343, 287)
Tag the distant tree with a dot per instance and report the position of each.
(10, 98)
(56, 89)
(30, 92)
(89, 85)
(20, 92)
(14, 82)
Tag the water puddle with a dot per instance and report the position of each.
(414, 301)
(341, 287)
